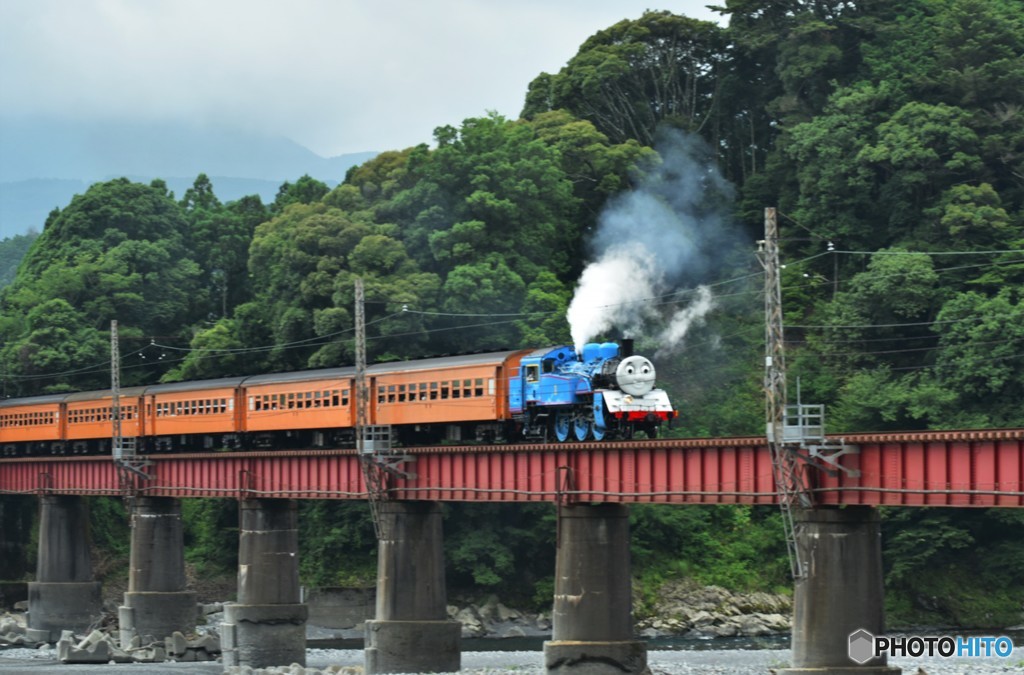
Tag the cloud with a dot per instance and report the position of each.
(335, 75)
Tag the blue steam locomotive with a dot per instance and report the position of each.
(604, 392)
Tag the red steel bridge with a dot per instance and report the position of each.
(937, 468)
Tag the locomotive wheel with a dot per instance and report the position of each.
(582, 428)
(599, 433)
(563, 422)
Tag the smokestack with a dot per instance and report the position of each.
(625, 347)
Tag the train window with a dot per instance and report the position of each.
(444, 390)
(423, 391)
(344, 396)
(490, 387)
(433, 391)
(533, 373)
(479, 390)
(401, 393)
(391, 393)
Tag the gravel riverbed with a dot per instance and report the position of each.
(674, 662)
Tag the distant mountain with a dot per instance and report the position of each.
(43, 163)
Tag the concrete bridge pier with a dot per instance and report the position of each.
(156, 603)
(411, 632)
(267, 626)
(592, 617)
(841, 594)
(63, 596)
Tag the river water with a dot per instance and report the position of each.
(522, 656)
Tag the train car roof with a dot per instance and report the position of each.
(102, 393)
(32, 400)
(195, 385)
(300, 376)
(439, 362)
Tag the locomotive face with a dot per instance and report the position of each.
(635, 375)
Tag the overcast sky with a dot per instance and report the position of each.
(336, 76)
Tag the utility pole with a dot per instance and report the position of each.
(788, 474)
(122, 449)
(373, 473)
(373, 441)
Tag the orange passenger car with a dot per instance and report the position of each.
(34, 424)
(90, 418)
(462, 394)
(199, 415)
(312, 407)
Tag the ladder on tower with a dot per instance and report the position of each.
(795, 434)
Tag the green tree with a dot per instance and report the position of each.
(629, 78)
(305, 190)
(116, 252)
(12, 251)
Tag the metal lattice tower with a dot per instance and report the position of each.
(788, 474)
(123, 450)
(374, 477)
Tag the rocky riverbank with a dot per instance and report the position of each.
(688, 609)
(679, 608)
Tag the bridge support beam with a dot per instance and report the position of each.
(64, 596)
(842, 592)
(156, 603)
(411, 632)
(592, 617)
(267, 626)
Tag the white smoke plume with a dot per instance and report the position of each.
(685, 319)
(661, 237)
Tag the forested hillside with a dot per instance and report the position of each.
(889, 135)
